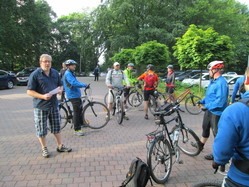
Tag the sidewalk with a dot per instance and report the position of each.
(99, 159)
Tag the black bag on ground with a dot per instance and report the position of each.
(138, 174)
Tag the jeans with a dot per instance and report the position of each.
(77, 113)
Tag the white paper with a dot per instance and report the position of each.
(54, 91)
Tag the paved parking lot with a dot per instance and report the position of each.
(99, 159)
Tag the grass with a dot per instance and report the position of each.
(181, 87)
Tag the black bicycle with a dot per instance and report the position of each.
(95, 114)
(163, 144)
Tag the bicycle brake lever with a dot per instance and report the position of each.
(182, 110)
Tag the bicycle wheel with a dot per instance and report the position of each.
(119, 111)
(63, 116)
(106, 98)
(206, 183)
(96, 115)
(188, 141)
(159, 160)
(136, 99)
(153, 105)
(191, 105)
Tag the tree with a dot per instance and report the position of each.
(124, 57)
(151, 53)
(197, 47)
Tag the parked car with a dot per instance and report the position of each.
(188, 74)
(196, 79)
(23, 76)
(230, 73)
(7, 80)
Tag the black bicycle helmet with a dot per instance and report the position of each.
(150, 67)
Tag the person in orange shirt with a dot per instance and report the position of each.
(150, 83)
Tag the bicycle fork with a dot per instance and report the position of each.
(176, 147)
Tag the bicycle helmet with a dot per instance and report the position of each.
(150, 67)
(170, 66)
(70, 62)
(130, 64)
(215, 65)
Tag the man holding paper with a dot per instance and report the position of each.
(44, 83)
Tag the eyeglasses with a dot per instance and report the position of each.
(46, 61)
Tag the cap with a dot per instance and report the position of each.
(116, 64)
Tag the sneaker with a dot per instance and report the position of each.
(107, 118)
(45, 152)
(209, 157)
(79, 133)
(63, 148)
(146, 116)
(126, 117)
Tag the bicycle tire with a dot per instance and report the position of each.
(106, 98)
(136, 99)
(153, 105)
(119, 111)
(162, 156)
(187, 137)
(207, 183)
(95, 115)
(63, 116)
(191, 105)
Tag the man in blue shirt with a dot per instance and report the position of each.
(215, 102)
(41, 84)
(238, 84)
(72, 88)
(232, 141)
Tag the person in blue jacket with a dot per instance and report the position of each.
(238, 85)
(232, 141)
(72, 88)
(214, 102)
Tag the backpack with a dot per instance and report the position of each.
(149, 80)
(138, 174)
(242, 88)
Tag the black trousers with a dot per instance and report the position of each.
(210, 121)
(96, 76)
(77, 113)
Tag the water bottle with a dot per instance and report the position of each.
(171, 136)
(176, 135)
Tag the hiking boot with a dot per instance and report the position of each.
(63, 148)
(209, 157)
(126, 117)
(79, 133)
(194, 144)
(45, 152)
(146, 116)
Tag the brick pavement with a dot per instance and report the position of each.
(99, 159)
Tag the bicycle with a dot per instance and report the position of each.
(190, 102)
(118, 106)
(95, 114)
(214, 183)
(164, 144)
(135, 97)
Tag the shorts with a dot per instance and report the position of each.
(41, 118)
(110, 97)
(210, 120)
(170, 90)
(147, 94)
(126, 92)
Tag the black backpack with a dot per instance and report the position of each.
(138, 175)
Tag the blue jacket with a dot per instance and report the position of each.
(233, 132)
(236, 87)
(74, 91)
(216, 96)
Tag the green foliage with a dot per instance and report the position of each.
(124, 57)
(197, 47)
(151, 53)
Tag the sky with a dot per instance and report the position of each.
(65, 7)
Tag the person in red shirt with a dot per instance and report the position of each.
(150, 83)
